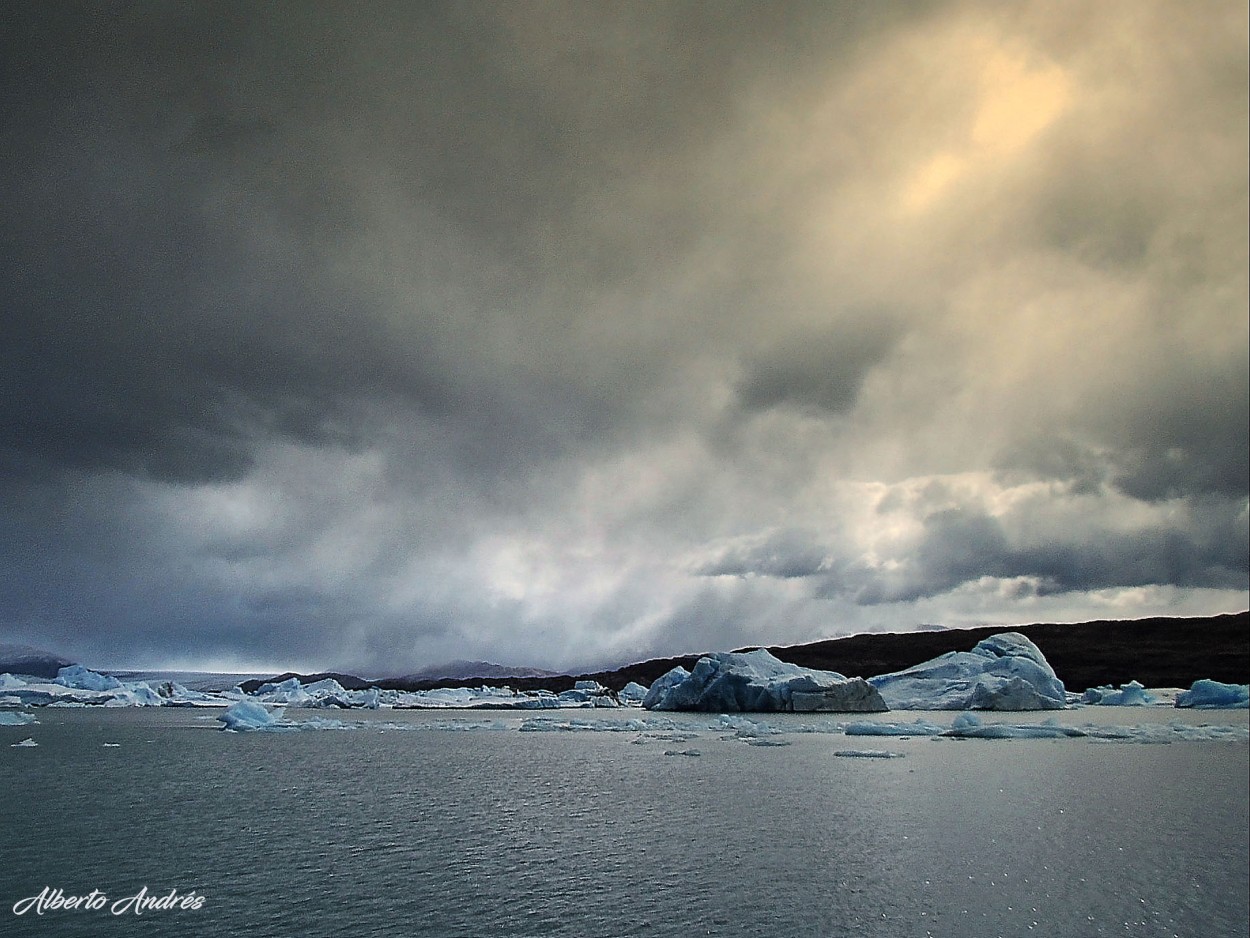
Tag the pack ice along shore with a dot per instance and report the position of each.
(1003, 671)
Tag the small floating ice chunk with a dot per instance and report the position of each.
(553, 724)
(868, 754)
(9, 718)
(870, 728)
(752, 732)
(1206, 694)
(454, 726)
(682, 752)
(969, 726)
(1131, 694)
(26, 743)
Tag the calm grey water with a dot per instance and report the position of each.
(503, 833)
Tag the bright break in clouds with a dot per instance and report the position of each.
(567, 334)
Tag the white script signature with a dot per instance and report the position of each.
(56, 900)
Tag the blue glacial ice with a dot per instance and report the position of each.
(757, 682)
(575, 725)
(1213, 695)
(969, 726)
(1002, 672)
(80, 678)
(247, 715)
(870, 728)
(12, 718)
(1131, 694)
(632, 694)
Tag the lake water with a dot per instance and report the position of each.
(495, 832)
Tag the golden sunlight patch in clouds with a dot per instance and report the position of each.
(1017, 99)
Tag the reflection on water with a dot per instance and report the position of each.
(382, 832)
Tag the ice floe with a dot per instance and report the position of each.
(1131, 694)
(11, 718)
(757, 682)
(970, 726)
(871, 728)
(558, 725)
(869, 754)
(1003, 672)
(27, 743)
(1214, 695)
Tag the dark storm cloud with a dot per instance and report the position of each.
(560, 331)
(197, 263)
(958, 547)
(790, 553)
(821, 373)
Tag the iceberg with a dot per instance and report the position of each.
(80, 678)
(26, 743)
(757, 682)
(969, 726)
(868, 728)
(635, 725)
(1206, 694)
(1002, 672)
(632, 694)
(662, 686)
(288, 693)
(9, 718)
(1131, 694)
(247, 715)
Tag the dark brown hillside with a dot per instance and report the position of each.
(1160, 652)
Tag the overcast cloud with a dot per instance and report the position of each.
(377, 335)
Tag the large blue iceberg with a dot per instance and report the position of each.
(756, 681)
(1003, 672)
(1214, 695)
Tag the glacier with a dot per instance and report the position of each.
(756, 681)
(1003, 672)
(1215, 695)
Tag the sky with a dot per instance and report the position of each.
(377, 335)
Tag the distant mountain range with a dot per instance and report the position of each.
(1159, 652)
(467, 670)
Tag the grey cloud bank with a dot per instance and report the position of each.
(563, 335)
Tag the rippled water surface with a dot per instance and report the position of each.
(495, 832)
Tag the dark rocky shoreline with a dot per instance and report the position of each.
(1158, 652)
